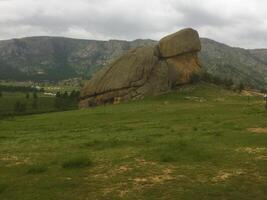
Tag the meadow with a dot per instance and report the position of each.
(199, 142)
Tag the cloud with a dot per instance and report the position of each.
(237, 22)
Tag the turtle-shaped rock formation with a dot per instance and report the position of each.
(145, 71)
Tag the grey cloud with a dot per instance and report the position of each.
(225, 21)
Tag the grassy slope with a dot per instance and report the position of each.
(168, 147)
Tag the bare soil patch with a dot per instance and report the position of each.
(225, 175)
(258, 130)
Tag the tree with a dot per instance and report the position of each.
(74, 95)
(195, 78)
(58, 94)
(58, 103)
(20, 107)
(65, 95)
(35, 104)
(263, 90)
(228, 83)
(27, 95)
(241, 87)
(35, 95)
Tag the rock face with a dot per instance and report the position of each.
(145, 71)
(184, 41)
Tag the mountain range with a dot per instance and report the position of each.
(58, 58)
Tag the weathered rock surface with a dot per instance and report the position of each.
(184, 41)
(145, 71)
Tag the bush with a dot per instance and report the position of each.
(3, 187)
(77, 162)
(20, 107)
(27, 96)
(241, 87)
(35, 104)
(58, 94)
(35, 95)
(36, 169)
(263, 90)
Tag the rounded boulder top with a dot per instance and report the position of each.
(181, 42)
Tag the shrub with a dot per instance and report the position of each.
(77, 162)
(241, 87)
(27, 96)
(20, 107)
(35, 104)
(35, 95)
(3, 187)
(36, 169)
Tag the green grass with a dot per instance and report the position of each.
(193, 143)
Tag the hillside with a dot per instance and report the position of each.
(52, 58)
(200, 142)
(241, 65)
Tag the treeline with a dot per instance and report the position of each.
(10, 88)
(227, 83)
(66, 101)
(33, 104)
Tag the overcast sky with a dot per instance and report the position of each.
(240, 23)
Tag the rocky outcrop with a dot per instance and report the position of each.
(145, 71)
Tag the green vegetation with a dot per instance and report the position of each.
(15, 88)
(77, 162)
(199, 142)
(18, 103)
(12, 103)
(36, 169)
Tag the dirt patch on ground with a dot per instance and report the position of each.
(259, 153)
(258, 130)
(119, 189)
(114, 172)
(197, 99)
(152, 174)
(13, 160)
(143, 162)
(225, 175)
(165, 175)
(261, 157)
(251, 93)
(220, 99)
(251, 150)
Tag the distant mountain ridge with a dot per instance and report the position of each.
(241, 65)
(57, 58)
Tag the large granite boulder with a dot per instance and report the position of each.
(184, 41)
(145, 71)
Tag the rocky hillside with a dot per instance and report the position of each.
(241, 65)
(55, 58)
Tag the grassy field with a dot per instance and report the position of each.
(200, 142)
